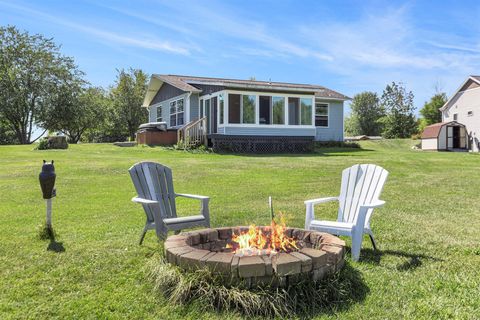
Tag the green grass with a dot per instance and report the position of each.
(428, 233)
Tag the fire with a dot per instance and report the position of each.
(263, 241)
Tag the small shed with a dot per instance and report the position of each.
(445, 136)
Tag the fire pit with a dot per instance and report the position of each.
(258, 255)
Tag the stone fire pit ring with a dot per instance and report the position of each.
(320, 254)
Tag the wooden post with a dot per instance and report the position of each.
(271, 208)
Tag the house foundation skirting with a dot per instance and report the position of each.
(261, 144)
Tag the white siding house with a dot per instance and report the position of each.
(464, 108)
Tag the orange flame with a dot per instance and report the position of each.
(263, 241)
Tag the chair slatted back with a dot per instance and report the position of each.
(361, 184)
(154, 181)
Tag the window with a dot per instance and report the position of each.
(221, 105)
(248, 109)
(173, 113)
(176, 113)
(207, 112)
(299, 111)
(233, 108)
(201, 109)
(470, 113)
(272, 110)
(293, 111)
(455, 117)
(321, 115)
(278, 112)
(264, 108)
(306, 111)
(159, 114)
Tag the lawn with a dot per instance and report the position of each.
(428, 233)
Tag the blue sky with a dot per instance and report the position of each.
(348, 46)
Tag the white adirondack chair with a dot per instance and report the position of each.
(154, 185)
(359, 195)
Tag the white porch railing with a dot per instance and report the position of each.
(193, 134)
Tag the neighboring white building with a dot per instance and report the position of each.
(464, 108)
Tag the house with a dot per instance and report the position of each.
(461, 117)
(234, 113)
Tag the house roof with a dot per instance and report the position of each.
(473, 78)
(433, 130)
(187, 83)
(476, 77)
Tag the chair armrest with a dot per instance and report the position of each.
(321, 200)
(376, 204)
(143, 201)
(191, 196)
(204, 210)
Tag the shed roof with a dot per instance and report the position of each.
(432, 131)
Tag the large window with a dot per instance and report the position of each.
(278, 112)
(233, 108)
(306, 111)
(272, 110)
(293, 111)
(176, 113)
(265, 110)
(159, 114)
(221, 104)
(299, 111)
(321, 115)
(248, 109)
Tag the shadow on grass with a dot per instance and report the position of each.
(350, 289)
(413, 260)
(46, 233)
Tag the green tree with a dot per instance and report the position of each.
(127, 98)
(430, 111)
(351, 125)
(399, 120)
(7, 135)
(81, 110)
(366, 112)
(32, 73)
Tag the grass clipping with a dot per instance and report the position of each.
(213, 292)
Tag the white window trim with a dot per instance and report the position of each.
(176, 112)
(159, 106)
(258, 94)
(328, 114)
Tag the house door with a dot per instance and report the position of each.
(214, 110)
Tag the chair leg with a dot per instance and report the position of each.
(356, 245)
(142, 236)
(374, 244)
